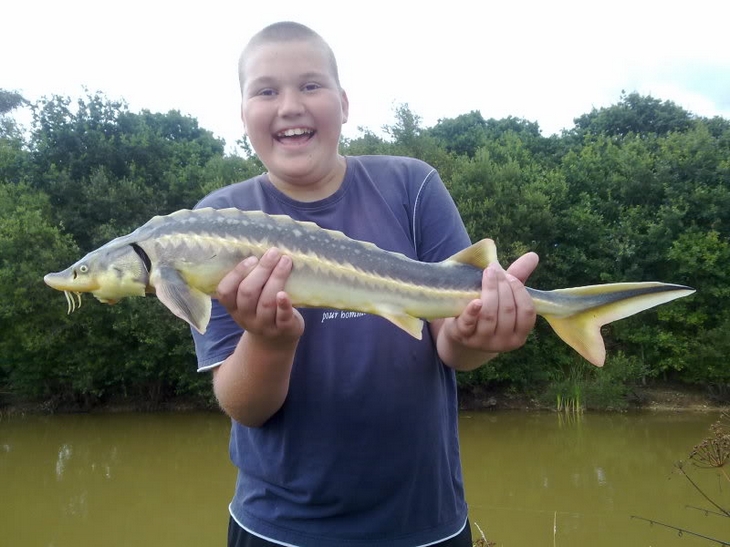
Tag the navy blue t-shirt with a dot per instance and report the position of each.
(364, 451)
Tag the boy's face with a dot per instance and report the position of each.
(293, 111)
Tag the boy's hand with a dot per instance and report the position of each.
(498, 321)
(253, 293)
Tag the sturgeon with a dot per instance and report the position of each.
(181, 257)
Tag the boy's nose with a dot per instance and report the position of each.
(290, 103)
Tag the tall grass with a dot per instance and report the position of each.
(571, 402)
(569, 391)
(580, 386)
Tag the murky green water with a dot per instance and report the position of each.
(530, 474)
(165, 479)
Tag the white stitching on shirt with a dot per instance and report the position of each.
(415, 207)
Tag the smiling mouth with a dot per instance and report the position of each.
(296, 135)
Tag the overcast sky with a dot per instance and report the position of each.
(548, 61)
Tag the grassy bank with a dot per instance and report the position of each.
(658, 396)
(566, 396)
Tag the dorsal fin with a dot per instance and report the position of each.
(480, 255)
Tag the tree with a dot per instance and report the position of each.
(13, 155)
(467, 133)
(31, 346)
(368, 143)
(408, 138)
(10, 100)
(102, 165)
(463, 135)
(635, 114)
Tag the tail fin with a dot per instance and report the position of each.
(577, 314)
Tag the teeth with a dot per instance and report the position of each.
(293, 132)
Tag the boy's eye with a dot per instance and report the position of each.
(311, 86)
(268, 92)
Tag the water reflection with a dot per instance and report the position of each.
(132, 479)
(526, 474)
(165, 480)
(64, 454)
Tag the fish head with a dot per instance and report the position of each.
(109, 273)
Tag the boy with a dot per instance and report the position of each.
(344, 428)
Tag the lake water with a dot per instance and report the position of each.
(532, 479)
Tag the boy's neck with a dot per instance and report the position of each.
(313, 191)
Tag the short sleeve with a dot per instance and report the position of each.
(219, 340)
(438, 228)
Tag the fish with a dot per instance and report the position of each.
(181, 258)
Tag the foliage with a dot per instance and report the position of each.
(10, 100)
(105, 168)
(29, 244)
(636, 191)
(587, 387)
(635, 114)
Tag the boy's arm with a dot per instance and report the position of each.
(499, 321)
(252, 383)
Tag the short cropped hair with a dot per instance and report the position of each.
(286, 31)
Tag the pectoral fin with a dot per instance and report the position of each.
(187, 302)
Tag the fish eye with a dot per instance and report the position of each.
(83, 268)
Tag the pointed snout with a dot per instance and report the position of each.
(68, 280)
(58, 281)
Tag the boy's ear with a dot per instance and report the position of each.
(345, 106)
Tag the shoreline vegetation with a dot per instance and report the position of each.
(664, 398)
(636, 191)
(658, 398)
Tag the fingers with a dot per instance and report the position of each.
(525, 316)
(466, 323)
(523, 267)
(499, 310)
(228, 287)
(253, 293)
(243, 286)
(517, 274)
(267, 281)
(504, 315)
(285, 313)
(481, 317)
